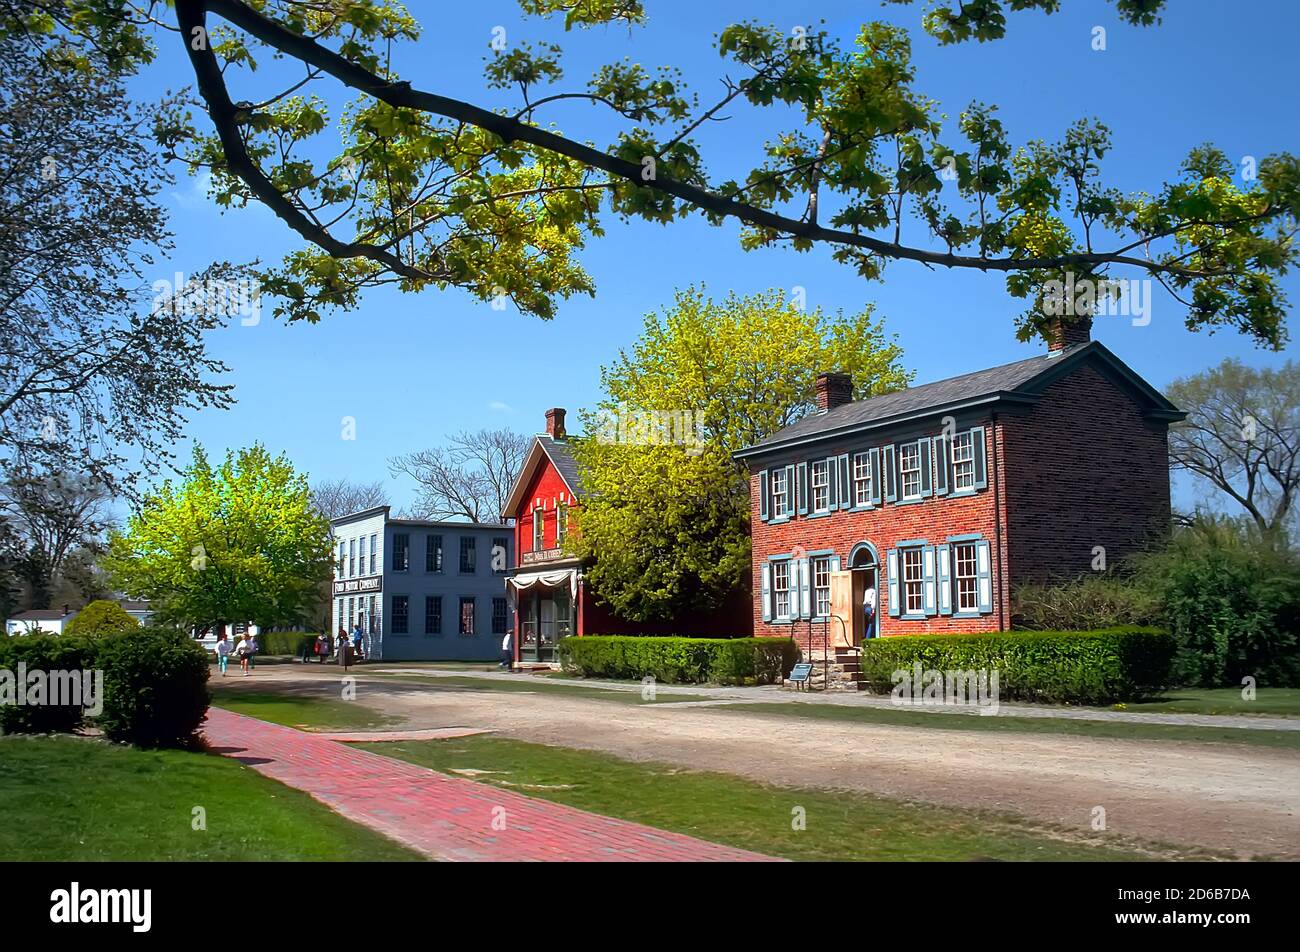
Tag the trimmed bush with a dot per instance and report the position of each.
(285, 642)
(1062, 667)
(45, 653)
(155, 687)
(98, 619)
(679, 660)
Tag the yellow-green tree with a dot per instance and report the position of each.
(237, 542)
(665, 516)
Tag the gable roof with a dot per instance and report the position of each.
(545, 449)
(1021, 382)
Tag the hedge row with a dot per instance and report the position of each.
(1071, 667)
(154, 684)
(680, 660)
(285, 642)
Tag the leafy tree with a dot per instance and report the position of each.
(1232, 599)
(240, 541)
(100, 618)
(93, 373)
(665, 514)
(469, 478)
(435, 191)
(1242, 436)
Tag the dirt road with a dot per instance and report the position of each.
(1244, 801)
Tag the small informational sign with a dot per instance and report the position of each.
(800, 672)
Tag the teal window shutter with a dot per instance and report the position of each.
(832, 483)
(890, 473)
(766, 571)
(941, 465)
(891, 569)
(802, 470)
(805, 589)
(984, 576)
(874, 458)
(929, 601)
(764, 496)
(981, 471)
(943, 574)
(927, 485)
(846, 482)
(789, 492)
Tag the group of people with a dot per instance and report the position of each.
(244, 650)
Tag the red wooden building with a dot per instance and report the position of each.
(552, 596)
(944, 497)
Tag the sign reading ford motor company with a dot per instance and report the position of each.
(359, 586)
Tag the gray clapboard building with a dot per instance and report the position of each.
(422, 590)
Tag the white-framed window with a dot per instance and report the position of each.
(780, 493)
(913, 582)
(343, 560)
(821, 486)
(361, 557)
(963, 461)
(561, 523)
(821, 572)
(862, 479)
(780, 589)
(537, 529)
(966, 576)
(909, 466)
(374, 547)
(352, 558)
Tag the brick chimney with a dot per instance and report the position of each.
(555, 423)
(833, 390)
(1064, 332)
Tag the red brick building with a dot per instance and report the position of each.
(945, 497)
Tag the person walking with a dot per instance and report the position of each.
(358, 655)
(869, 612)
(507, 652)
(223, 653)
(241, 652)
(322, 647)
(252, 651)
(344, 648)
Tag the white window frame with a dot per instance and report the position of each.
(561, 523)
(912, 585)
(962, 606)
(539, 529)
(780, 492)
(821, 492)
(904, 471)
(781, 572)
(862, 479)
(821, 573)
(962, 451)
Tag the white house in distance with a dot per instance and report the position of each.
(52, 621)
(49, 620)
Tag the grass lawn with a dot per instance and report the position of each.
(74, 798)
(1120, 730)
(305, 712)
(1275, 702)
(541, 687)
(742, 813)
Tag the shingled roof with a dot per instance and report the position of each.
(1012, 382)
(562, 456)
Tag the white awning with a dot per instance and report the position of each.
(526, 580)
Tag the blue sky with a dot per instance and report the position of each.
(412, 368)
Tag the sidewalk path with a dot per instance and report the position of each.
(444, 817)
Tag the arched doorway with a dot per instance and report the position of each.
(864, 563)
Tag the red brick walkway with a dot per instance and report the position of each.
(444, 817)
